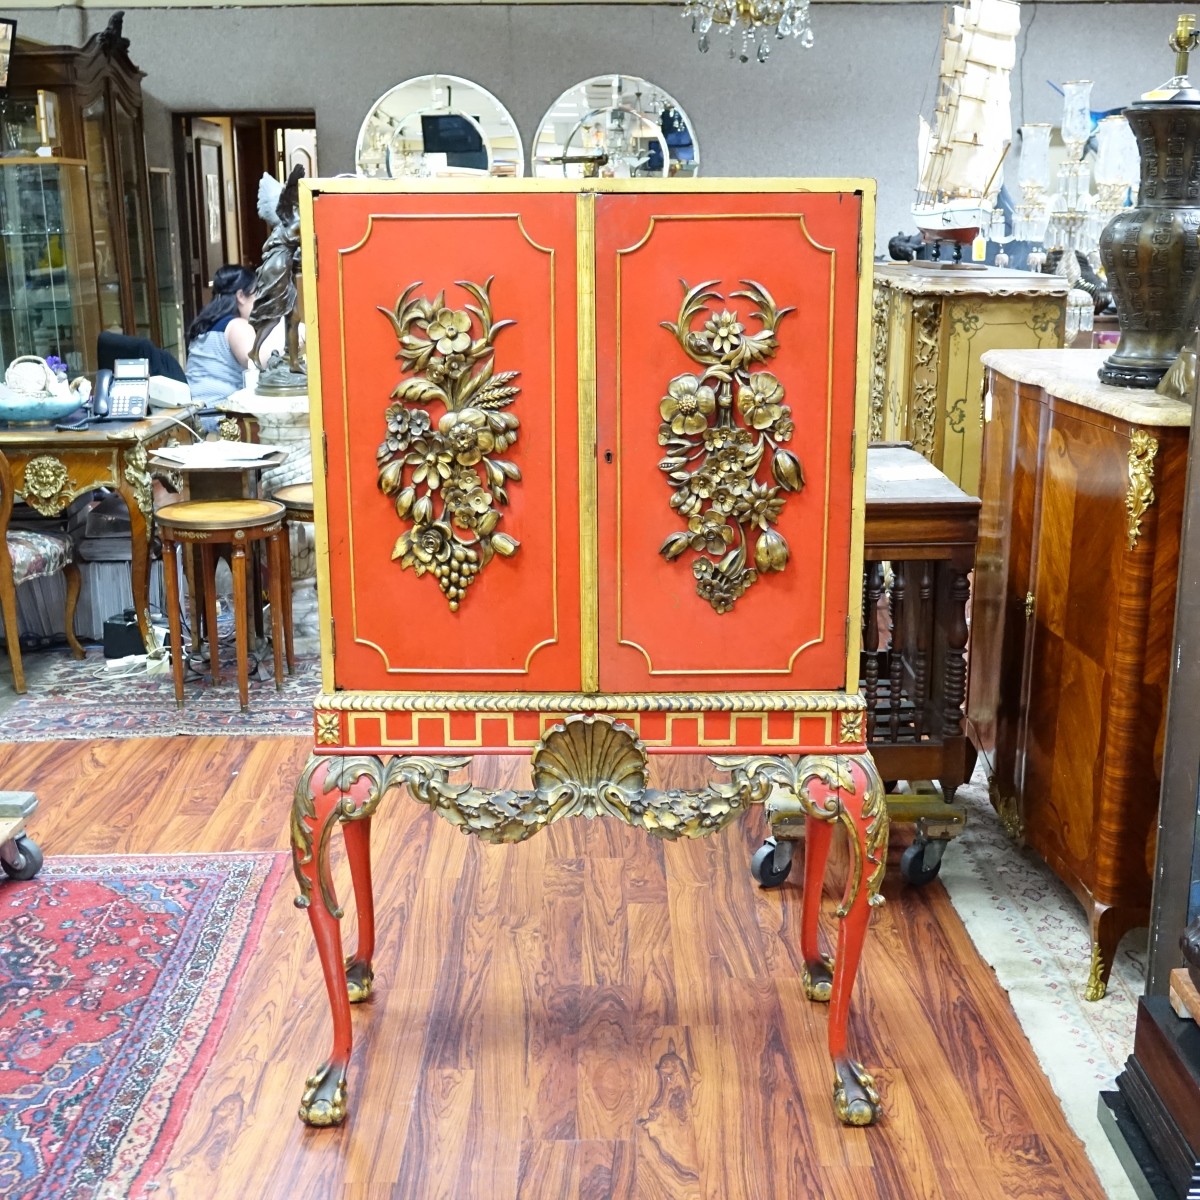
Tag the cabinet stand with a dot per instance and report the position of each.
(593, 766)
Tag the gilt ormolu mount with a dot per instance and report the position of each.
(580, 643)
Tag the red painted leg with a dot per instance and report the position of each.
(848, 790)
(333, 790)
(359, 975)
(818, 967)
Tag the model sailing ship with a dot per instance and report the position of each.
(960, 154)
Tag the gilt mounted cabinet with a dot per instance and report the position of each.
(593, 489)
(1073, 610)
(930, 327)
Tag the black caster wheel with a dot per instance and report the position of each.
(922, 861)
(29, 862)
(772, 863)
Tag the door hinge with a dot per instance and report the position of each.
(333, 637)
(1028, 605)
(325, 452)
(316, 257)
(853, 450)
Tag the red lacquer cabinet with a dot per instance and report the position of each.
(593, 487)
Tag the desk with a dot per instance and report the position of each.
(51, 468)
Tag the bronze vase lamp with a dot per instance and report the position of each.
(1150, 252)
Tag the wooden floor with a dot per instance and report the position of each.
(593, 1014)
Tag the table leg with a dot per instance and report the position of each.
(195, 590)
(8, 605)
(74, 582)
(208, 585)
(275, 584)
(238, 562)
(140, 533)
(171, 576)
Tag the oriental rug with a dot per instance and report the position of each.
(117, 976)
(74, 699)
(1033, 933)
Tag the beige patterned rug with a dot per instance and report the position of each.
(1034, 934)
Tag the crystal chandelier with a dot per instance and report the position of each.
(755, 20)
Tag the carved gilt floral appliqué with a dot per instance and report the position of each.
(446, 429)
(723, 430)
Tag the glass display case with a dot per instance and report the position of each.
(168, 260)
(48, 302)
(85, 103)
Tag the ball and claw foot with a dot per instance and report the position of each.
(817, 978)
(855, 1099)
(360, 980)
(324, 1099)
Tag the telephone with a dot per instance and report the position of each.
(123, 393)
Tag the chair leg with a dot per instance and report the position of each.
(170, 556)
(8, 605)
(275, 569)
(239, 622)
(208, 584)
(74, 581)
(285, 581)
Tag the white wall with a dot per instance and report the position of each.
(848, 107)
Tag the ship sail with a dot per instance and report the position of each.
(960, 154)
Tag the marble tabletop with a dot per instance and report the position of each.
(1071, 375)
(968, 280)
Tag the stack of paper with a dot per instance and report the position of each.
(234, 455)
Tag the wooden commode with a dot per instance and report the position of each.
(1073, 611)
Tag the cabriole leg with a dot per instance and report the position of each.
(359, 975)
(847, 790)
(818, 967)
(333, 790)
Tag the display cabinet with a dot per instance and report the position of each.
(86, 103)
(930, 326)
(168, 261)
(593, 489)
(48, 300)
(1072, 614)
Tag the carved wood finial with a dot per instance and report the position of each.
(112, 40)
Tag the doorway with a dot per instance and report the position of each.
(220, 158)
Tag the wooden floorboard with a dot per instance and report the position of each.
(594, 1014)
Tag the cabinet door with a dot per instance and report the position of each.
(1001, 592)
(446, 350)
(1090, 727)
(727, 350)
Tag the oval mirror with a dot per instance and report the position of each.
(438, 126)
(615, 126)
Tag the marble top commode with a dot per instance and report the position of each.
(1071, 375)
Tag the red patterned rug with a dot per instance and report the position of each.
(117, 976)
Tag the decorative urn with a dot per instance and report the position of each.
(1151, 252)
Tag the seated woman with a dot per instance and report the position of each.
(221, 337)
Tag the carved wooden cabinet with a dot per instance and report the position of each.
(930, 326)
(593, 489)
(1073, 609)
(86, 101)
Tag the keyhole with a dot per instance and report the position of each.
(608, 456)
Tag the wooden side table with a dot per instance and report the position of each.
(924, 527)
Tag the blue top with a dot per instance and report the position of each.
(213, 373)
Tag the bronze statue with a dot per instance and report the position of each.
(275, 285)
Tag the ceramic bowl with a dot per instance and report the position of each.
(21, 407)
